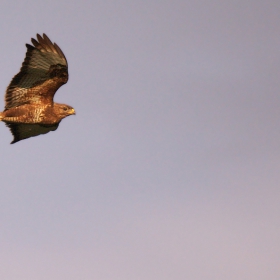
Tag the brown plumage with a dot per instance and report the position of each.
(29, 109)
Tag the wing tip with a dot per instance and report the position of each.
(44, 43)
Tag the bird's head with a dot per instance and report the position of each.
(65, 110)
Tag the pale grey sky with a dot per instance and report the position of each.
(170, 169)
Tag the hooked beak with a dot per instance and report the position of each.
(73, 112)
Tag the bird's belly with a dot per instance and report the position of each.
(29, 115)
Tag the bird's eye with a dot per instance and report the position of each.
(65, 108)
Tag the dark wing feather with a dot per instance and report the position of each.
(23, 131)
(43, 71)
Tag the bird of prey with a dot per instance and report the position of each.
(29, 108)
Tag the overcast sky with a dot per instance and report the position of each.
(170, 169)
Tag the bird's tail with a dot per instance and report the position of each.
(1, 116)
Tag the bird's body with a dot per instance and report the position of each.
(29, 109)
(34, 114)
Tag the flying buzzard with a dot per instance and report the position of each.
(29, 109)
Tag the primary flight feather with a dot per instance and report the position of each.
(29, 109)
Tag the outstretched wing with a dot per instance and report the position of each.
(44, 70)
(23, 131)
